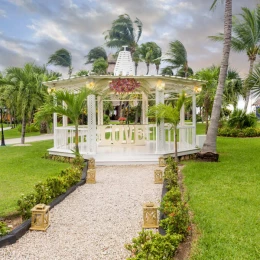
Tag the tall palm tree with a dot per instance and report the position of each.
(178, 56)
(25, 84)
(96, 53)
(246, 38)
(63, 58)
(73, 109)
(136, 58)
(123, 32)
(149, 52)
(157, 57)
(211, 138)
(171, 114)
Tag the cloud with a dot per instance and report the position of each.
(49, 29)
(2, 13)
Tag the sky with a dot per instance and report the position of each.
(32, 30)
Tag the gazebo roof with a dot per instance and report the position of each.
(171, 83)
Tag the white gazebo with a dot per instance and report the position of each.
(133, 143)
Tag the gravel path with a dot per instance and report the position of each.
(96, 220)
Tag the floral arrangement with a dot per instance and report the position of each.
(124, 85)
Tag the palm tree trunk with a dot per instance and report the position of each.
(157, 69)
(211, 138)
(175, 144)
(23, 129)
(247, 87)
(76, 139)
(136, 65)
(147, 65)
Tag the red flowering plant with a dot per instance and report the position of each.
(124, 85)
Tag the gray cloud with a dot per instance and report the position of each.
(79, 26)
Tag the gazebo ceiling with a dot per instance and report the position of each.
(171, 84)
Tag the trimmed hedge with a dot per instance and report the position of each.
(175, 223)
(235, 132)
(45, 192)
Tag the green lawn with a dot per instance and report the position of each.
(14, 133)
(21, 168)
(225, 200)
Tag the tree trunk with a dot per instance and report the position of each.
(176, 144)
(247, 87)
(147, 65)
(211, 138)
(23, 129)
(157, 69)
(76, 139)
(136, 65)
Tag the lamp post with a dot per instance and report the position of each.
(3, 138)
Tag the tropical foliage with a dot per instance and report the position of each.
(96, 53)
(62, 57)
(123, 32)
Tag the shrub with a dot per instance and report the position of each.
(149, 245)
(240, 119)
(4, 229)
(46, 191)
(29, 128)
(106, 119)
(234, 132)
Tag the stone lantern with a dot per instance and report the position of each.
(40, 217)
(150, 215)
(158, 176)
(91, 176)
(162, 162)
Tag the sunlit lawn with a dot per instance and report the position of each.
(14, 133)
(20, 169)
(224, 198)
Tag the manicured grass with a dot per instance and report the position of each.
(21, 168)
(14, 133)
(224, 198)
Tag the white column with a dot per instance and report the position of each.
(181, 130)
(100, 110)
(64, 118)
(194, 119)
(160, 133)
(144, 109)
(92, 131)
(55, 136)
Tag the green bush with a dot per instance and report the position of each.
(106, 119)
(170, 200)
(29, 128)
(234, 132)
(153, 246)
(46, 191)
(240, 119)
(4, 229)
(177, 221)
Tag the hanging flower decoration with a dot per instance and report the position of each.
(124, 85)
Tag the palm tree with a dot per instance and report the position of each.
(136, 58)
(157, 57)
(100, 66)
(167, 71)
(149, 52)
(211, 138)
(182, 73)
(123, 33)
(63, 58)
(73, 109)
(25, 85)
(171, 114)
(210, 76)
(178, 56)
(96, 53)
(246, 37)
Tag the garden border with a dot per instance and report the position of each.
(19, 231)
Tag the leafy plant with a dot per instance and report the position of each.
(240, 119)
(4, 229)
(153, 246)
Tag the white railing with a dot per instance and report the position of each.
(64, 138)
